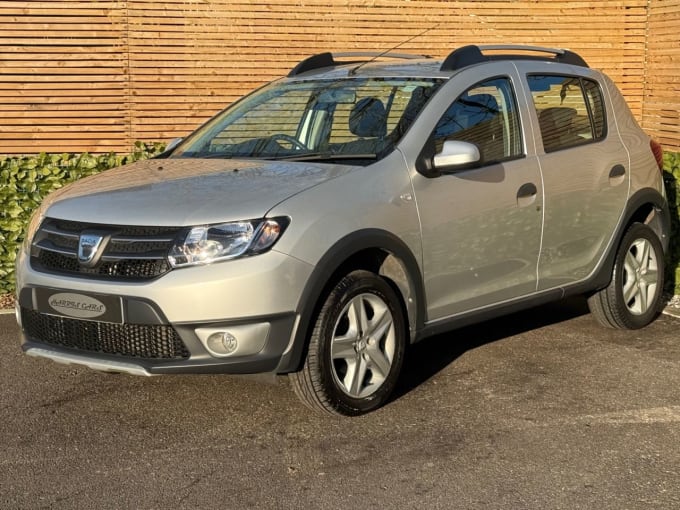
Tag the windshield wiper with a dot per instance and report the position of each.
(218, 155)
(308, 156)
(322, 156)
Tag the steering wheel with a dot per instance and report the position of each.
(297, 144)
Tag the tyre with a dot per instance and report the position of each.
(356, 348)
(633, 298)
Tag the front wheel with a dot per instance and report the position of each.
(633, 298)
(356, 348)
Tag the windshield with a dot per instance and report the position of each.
(355, 119)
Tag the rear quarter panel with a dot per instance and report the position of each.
(644, 172)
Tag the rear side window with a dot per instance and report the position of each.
(570, 110)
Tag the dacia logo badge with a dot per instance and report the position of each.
(88, 248)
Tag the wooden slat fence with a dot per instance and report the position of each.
(661, 101)
(98, 75)
(64, 82)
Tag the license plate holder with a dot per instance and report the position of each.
(79, 305)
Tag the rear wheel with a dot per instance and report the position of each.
(633, 298)
(356, 348)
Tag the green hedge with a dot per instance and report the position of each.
(672, 180)
(25, 180)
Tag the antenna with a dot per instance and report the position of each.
(382, 54)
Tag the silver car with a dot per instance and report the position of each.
(323, 223)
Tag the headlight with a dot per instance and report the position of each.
(210, 243)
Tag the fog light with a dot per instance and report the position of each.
(222, 342)
(228, 340)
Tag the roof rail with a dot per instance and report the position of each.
(327, 59)
(469, 55)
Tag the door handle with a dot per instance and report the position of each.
(526, 194)
(617, 171)
(617, 175)
(527, 190)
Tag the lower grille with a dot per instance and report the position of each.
(130, 340)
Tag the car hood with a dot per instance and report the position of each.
(180, 192)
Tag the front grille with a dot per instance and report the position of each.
(131, 340)
(131, 253)
(123, 269)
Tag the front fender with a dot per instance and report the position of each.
(337, 261)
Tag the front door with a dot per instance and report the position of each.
(481, 227)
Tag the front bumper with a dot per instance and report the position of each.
(199, 360)
(164, 326)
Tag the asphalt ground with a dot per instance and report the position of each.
(538, 410)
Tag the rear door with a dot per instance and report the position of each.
(585, 172)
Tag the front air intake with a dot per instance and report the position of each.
(141, 341)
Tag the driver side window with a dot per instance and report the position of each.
(485, 115)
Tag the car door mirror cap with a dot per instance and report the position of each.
(456, 155)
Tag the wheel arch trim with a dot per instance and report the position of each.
(662, 218)
(400, 260)
(636, 203)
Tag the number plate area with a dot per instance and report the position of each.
(79, 305)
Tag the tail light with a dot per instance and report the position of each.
(657, 150)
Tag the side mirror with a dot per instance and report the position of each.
(456, 155)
